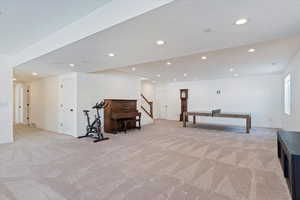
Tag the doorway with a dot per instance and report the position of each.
(68, 106)
(19, 103)
(162, 103)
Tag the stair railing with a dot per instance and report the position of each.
(150, 103)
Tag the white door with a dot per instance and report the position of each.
(68, 106)
(162, 99)
(19, 103)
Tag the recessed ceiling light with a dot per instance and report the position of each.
(169, 63)
(251, 50)
(111, 54)
(72, 65)
(235, 75)
(185, 74)
(35, 74)
(158, 75)
(133, 69)
(241, 21)
(203, 57)
(160, 42)
(231, 69)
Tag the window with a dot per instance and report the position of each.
(287, 94)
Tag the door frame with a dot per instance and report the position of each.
(72, 77)
(162, 107)
(19, 103)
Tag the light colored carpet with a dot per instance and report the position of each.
(162, 161)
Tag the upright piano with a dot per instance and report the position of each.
(120, 115)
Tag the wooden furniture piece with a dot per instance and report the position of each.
(288, 149)
(184, 102)
(120, 115)
(218, 113)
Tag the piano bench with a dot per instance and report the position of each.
(123, 124)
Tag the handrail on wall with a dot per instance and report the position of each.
(150, 113)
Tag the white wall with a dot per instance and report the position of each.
(148, 90)
(44, 103)
(93, 88)
(262, 96)
(291, 122)
(6, 104)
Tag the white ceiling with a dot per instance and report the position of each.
(181, 24)
(269, 58)
(25, 22)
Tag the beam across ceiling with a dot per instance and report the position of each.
(112, 13)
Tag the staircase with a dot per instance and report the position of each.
(147, 106)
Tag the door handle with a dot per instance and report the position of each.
(71, 110)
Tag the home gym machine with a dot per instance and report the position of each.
(94, 130)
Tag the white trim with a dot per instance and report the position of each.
(287, 95)
(73, 77)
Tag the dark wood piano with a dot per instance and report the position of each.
(120, 115)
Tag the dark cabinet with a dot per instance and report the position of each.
(289, 154)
